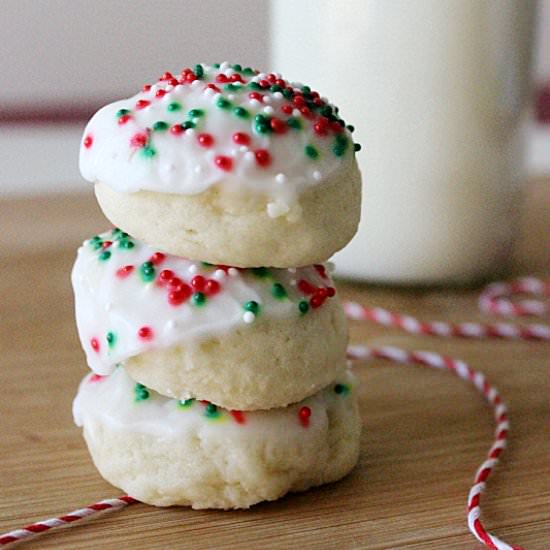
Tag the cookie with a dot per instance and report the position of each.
(241, 338)
(167, 452)
(227, 165)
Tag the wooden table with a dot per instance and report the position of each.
(425, 432)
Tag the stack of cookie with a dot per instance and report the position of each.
(212, 327)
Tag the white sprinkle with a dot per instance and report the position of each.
(278, 96)
(255, 102)
(232, 272)
(244, 149)
(208, 92)
(317, 175)
(277, 209)
(190, 132)
(249, 157)
(267, 99)
(228, 72)
(261, 76)
(249, 317)
(179, 87)
(169, 88)
(292, 270)
(198, 169)
(295, 112)
(224, 66)
(193, 269)
(231, 97)
(171, 325)
(268, 110)
(194, 84)
(219, 275)
(280, 178)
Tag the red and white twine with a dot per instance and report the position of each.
(495, 299)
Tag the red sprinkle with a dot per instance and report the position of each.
(336, 127)
(165, 276)
(213, 87)
(198, 282)
(160, 93)
(224, 163)
(331, 291)
(306, 287)
(206, 140)
(263, 158)
(167, 76)
(124, 119)
(88, 141)
(304, 415)
(316, 301)
(180, 295)
(139, 140)
(211, 287)
(175, 282)
(94, 342)
(320, 268)
(146, 88)
(299, 101)
(145, 333)
(241, 138)
(238, 416)
(278, 126)
(222, 79)
(255, 95)
(142, 103)
(96, 378)
(286, 108)
(236, 78)
(321, 126)
(123, 272)
(106, 244)
(177, 129)
(157, 258)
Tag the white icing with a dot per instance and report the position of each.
(181, 165)
(107, 303)
(112, 400)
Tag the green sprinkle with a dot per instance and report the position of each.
(278, 291)
(252, 306)
(275, 88)
(341, 144)
(254, 86)
(160, 126)
(306, 89)
(288, 93)
(206, 264)
(195, 113)
(326, 111)
(188, 124)
(357, 147)
(98, 238)
(141, 392)
(211, 411)
(96, 245)
(241, 112)
(147, 272)
(248, 71)
(311, 152)
(261, 124)
(122, 112)
(232, 87)
(186, 403)
(303, 306)
(293, 122)
(216, 65)
(351, 128)
(341, 389)
(199, 71)
(175, 106)
(105, 255)
(237, 67)
(111, 339)
(125, 243)
(199, 298)
(223, 103)
(260, 272)
(148, 152)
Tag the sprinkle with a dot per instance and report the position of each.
(160, 126)
(252, 306)
(94, 342)
(224, 163)
(186, 403)
(195, 113)
(232, 271)
(241, 138)
(174, 106)
(304, 415)
(223, 103)
(278, 291)
(303, 306)
(199, 299)
(205, 140)
(145, 333)
(177, 129)
(105, 255)
(111, 339)
(241, 112)
(147, 271)
(88, 141)
(141, 392)
(142, 103)
(341, 389)
(263, 158)
(280, 178)
(317, 176)
(311, 152)
(249, 317)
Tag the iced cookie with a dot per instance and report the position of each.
(241, 338)
(168, 452)
(227, 165)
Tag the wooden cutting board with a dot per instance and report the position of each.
(425, 432)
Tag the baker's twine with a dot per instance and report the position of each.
(495, 299)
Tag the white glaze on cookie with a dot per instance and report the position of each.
(218, 125)
(130, 298)
(121, 403)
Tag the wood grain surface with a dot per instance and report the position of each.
(425, 432)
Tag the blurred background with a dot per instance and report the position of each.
(62, 59)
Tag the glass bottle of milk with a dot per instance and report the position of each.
(436, 90)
